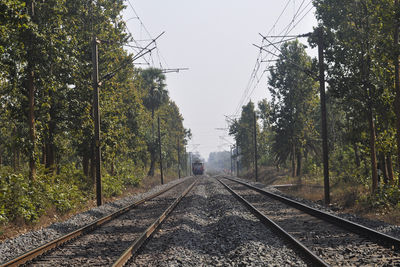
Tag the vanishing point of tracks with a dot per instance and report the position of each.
(323, 239)
(111, 240)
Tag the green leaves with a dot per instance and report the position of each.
(294, 102)
(50, 51)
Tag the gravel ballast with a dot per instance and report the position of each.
(14, 247)
(333, 244)
(208, 228)
(211, 228)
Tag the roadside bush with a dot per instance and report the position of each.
(17, 195)
(22, 198)
(385, 198)
(112, 186)
(130, 173)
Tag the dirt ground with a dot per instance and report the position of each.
(17, 228)
(343, 197)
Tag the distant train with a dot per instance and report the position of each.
(198, 168)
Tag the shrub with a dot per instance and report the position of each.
(112, 186)
(385, 198)
(22, 198)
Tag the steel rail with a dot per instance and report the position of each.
(34, 253)
(310, 256)
(369, 233)
(138, 243)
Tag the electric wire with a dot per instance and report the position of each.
(161, 59)
(257, 64)
(255, 79)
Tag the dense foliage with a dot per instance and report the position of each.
(46, 118)
(363, 99)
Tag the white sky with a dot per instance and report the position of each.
(213, 38)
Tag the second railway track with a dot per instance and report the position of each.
(333, 244)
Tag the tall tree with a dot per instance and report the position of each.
(294, 99)
(242, 130)
(353, 53)
(155, 95)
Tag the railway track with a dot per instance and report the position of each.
(330, 239)
(111, 240)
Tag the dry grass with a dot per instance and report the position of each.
(51, 216)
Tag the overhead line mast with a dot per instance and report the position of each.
(321, 78)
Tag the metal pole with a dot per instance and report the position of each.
(255, 145)
(237, 159)
(397, 80)
(323, 114)
(159, 147)
(179, 160)
(95, 57)
(190, 165)
(231, 162)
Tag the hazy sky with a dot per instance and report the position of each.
(213, 38)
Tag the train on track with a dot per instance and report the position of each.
(198, 168)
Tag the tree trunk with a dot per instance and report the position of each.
(397, 81)
(293, 160)
(30, 89)
(31, 124)
(366, 168)
(299, 161)
(372, 147)
(152, 122)
(50, 157)
(18, 158)
(43, 161)
(152, 163)
(85, 165)
(390, 168)
(14, 152)
(93, 164)
(112, 171)
(383, 167)
(50, 147)
(356, 155)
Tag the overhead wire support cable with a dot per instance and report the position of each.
(308, 72)
(109, 75)
(254, 79)
(152, 41)
(283, 36)
(160, 57)
(282, 41)
(177, 70)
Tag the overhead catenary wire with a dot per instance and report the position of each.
(161, 59)
(257, 64)
(255, 78)
(308, 72)
(145, 50)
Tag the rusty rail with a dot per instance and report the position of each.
(384, 239)
(307, 254)
(138, 243)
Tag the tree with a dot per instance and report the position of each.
(294, 99)
(242, 130)
(266, 134)
(356, 58)
(154, 96)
